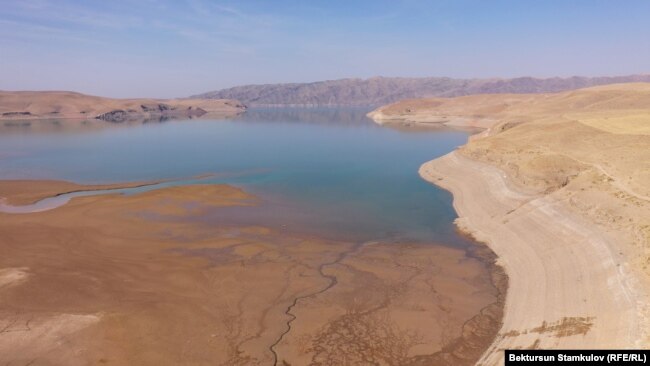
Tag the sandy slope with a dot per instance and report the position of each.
(558, 185)
(63, 104)
(569, 287)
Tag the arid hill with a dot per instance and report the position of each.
(558, 185)
(63, 104)
(536, 137)
(383, 90)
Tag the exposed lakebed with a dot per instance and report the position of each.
(340, 236)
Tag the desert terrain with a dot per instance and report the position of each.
(67, 105)
(140, 280)
(558, 185)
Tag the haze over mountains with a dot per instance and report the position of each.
(384, 90)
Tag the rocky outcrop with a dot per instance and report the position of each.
(160, 107)
(114, 116)
(15, 114)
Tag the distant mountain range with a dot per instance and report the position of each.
(383, 90)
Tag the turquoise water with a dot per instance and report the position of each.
(324, 171)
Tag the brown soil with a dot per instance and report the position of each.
(129, 280)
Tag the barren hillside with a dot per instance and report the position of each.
(383, 90)
(63, 104)
(558, 185)
(591, 144)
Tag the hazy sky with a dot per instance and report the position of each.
(165, 48)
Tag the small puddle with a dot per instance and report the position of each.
(53, 202)
(40, 206)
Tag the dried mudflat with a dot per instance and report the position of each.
(136, 280)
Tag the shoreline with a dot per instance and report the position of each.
(567, 287)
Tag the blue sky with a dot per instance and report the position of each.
(165, 48)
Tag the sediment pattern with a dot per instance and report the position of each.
(140, 279)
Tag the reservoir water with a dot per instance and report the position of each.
(326, 171)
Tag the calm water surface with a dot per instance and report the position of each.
(325, 171)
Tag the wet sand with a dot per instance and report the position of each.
(130, 280)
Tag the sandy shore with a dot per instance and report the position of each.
(568, 285)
